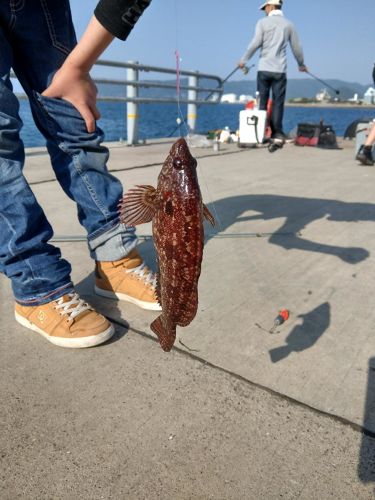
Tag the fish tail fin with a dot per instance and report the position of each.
(166, 336)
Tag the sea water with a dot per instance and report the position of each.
(159, 120)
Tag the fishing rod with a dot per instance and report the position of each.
(323, 82)
(225, 79)
(245, 71)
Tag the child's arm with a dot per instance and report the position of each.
(113, 18)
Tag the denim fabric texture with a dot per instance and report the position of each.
(267, 81)
(35, 38)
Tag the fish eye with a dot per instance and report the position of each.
(177, 164)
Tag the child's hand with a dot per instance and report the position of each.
(74, 85)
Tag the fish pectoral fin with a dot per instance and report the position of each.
(138, 205)
(208, 215)
(166, 336)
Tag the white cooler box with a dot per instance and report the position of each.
(361, 133)
(252, 126)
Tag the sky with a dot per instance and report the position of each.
(338, 36)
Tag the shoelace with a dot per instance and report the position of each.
(72, 307)
(144, 273)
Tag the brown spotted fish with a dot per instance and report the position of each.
(176, 211)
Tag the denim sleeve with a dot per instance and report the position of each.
(120, 16)
(255, 43)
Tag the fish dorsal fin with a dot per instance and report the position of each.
(138, 205)
(208, 215)
(165, 333)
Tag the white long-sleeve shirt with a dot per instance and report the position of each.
(272, 36)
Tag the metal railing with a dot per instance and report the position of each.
(190, 93)
(134, 84)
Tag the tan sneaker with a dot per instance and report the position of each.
(127, 279)
(67, 322)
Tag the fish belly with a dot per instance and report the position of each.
(180, 249)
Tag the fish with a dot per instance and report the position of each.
(177, 212)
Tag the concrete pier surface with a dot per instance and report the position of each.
(233, 412)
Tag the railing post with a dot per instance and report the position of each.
(192, 108)
(132, 107)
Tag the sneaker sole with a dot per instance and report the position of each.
(78, 343)
(365, 161)
(150, 306)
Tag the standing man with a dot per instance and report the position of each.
(272, 35)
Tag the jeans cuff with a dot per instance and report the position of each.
(114, 243)
(46, 298)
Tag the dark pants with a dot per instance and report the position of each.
(266, 81)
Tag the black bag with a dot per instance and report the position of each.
(327, 138)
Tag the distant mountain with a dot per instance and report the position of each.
(304, 87)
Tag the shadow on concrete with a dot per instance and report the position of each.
(366, 464)
(298, 212)
(304, 336)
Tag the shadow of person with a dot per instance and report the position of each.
(298, 213)
(366, 462)
(304, 336)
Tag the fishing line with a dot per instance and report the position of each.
(214, 235)
(216, 215)
(214, 91)
(180, 117)
(181, 122)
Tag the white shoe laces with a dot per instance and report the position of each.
(72, 307)
(144, 273)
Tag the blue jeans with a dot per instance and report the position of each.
(266, 80)
(35, 38)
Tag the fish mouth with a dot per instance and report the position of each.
(180, 146)
(180, 150)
